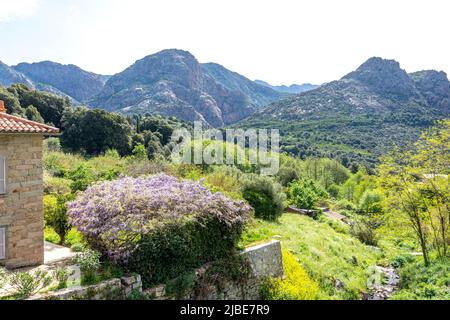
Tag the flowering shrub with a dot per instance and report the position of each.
(158, 225)
(297, 286)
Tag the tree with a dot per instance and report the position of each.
(51, 107)
(33, 114)
(95, 131)
(305, 194)
(416, 183)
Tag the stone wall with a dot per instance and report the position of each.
(21, 209)
(115, 289)
(265, 261)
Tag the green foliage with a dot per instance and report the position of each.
(296, 286)
(26, 284)
(3, 278)
(52, 145)
(46, 105)
(364, 230)
(139, 152)
(61, 275)
(176, 247)
(370, 203)
(305, 194)
(12, 103)
(416, 186)
(324, 253)
(55, 214)
(264, 195)
(401, 260)
(81, 177)
(419, 282)
(33, 114)
(77, 247)
(89, 263)
(181, 286)
(290, 170)
(94, 131)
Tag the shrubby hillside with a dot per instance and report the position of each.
(361, 116)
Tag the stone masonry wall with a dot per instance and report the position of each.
(114, 289)
(21, 209)
(265, 261)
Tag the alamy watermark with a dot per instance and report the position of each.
(231, 147)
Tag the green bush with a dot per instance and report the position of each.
(364, 231)
(62, 275)
(264, 195)
(305, 194)
(26, 284)
(172, 249)
(55, 214)
(401, 260)
(81, 177)
(89, 263)
(370, 203)
(418, 282)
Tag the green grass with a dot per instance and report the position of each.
(327, 255)
(421, 283)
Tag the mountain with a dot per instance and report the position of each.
(292, 89)
(173, 83)
(258, 94)
(360, 116)
(9, 76)
(68, 79)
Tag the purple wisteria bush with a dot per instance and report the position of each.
(159, 217)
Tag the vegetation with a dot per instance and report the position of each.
(384, 208)
(305, 194)
(264, 195)
(416, 184)
(55, 214)
(329, 256)
(296, 286)
(158, 226)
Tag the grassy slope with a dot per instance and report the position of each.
(327, 254)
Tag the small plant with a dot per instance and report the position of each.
(77, 247)
(297, 285)
(137, 295)
(62, 276)
(3, 278)
(364, 230)
(305, 194)
(55, 214)
(89, 263)
(26, 284)
(401, 260)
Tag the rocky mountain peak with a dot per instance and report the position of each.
(70, 79)
(385, 77)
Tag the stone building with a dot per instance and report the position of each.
(21, 190)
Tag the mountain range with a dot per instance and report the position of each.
(355, 119)
(292, 89)
(361, 115)
(171, 82)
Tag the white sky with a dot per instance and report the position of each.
(279, 41)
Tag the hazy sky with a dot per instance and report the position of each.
(280, 41)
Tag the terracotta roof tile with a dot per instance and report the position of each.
(13, 124)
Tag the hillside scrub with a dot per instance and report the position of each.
(330, 257)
